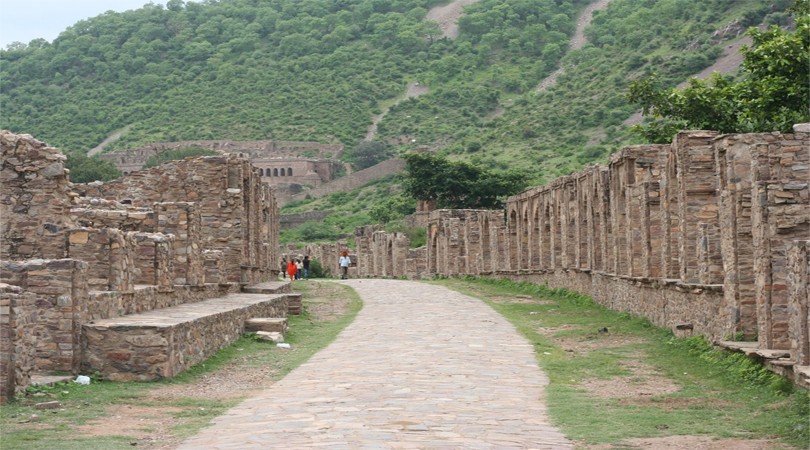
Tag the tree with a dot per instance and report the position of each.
(393, 208)
(773, 96)
(369, 153)
(87, 170)
(458, 185)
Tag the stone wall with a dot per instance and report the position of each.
(237, 212)
(709, 232)
(61, 291)
(35, 198)
(17, 342)
(132, 160)
(75, 253)
(348, 182)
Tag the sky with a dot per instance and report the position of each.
(24, 20)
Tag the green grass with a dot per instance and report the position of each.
(84, 404)
(720, 395)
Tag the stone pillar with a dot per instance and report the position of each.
(183, 221)
(697, 197)
(153, 259)
(780, 211)
(213, 266)
(798, 284)
(17, 340)
(109, 253)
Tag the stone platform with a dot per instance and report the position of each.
(269, 287)
(164, 342)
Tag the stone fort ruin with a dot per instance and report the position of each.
(138, 278)
(707, 235)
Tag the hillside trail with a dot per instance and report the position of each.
(577, 40)
(730, 61)
(115, 136)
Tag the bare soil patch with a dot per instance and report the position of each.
(447, 16)
(149, 425)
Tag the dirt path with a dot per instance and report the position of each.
(414, 90)
(729, 62)
(447, 16)
(577, 40)
(115, 136)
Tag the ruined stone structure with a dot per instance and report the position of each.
(708, 234)
(95, 277)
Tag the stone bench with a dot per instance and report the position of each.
(164, 342)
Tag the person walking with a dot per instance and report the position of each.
(283, 269)
(306, 267)
(291, 269)
(344, 263)
(299, 269)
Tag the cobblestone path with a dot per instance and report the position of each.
(421, 367)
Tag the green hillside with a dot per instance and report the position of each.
(318, 70)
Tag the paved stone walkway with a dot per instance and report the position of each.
(421, 367)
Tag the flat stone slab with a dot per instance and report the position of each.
(413, 371)
(269, 287)
(164, 342)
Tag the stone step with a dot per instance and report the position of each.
(164, 342)
(278, 325)
(295, 305)
(269, 287)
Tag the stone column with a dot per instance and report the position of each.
(798, 284)
(183, 221)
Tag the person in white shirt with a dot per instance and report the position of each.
(344, 263)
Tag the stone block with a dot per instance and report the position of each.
(267, 324)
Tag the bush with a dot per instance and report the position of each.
(316, 270)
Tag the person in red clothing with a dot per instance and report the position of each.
(292, 269)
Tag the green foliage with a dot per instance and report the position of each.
(772, 97)
(84, 169)
(369, 153)
(392, 208)
(416, 235)
(316, 269)
(175, 155)
(458, 185)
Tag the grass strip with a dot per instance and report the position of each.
(715, 393)
(84, 404)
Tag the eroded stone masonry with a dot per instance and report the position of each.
(79, 261)
(708, 235)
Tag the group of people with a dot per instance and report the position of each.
(296, 268)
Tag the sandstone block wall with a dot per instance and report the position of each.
(60, 287)
(35, 198)
(17, 342)
(710, 230)
(238, 213)
(129, 242)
